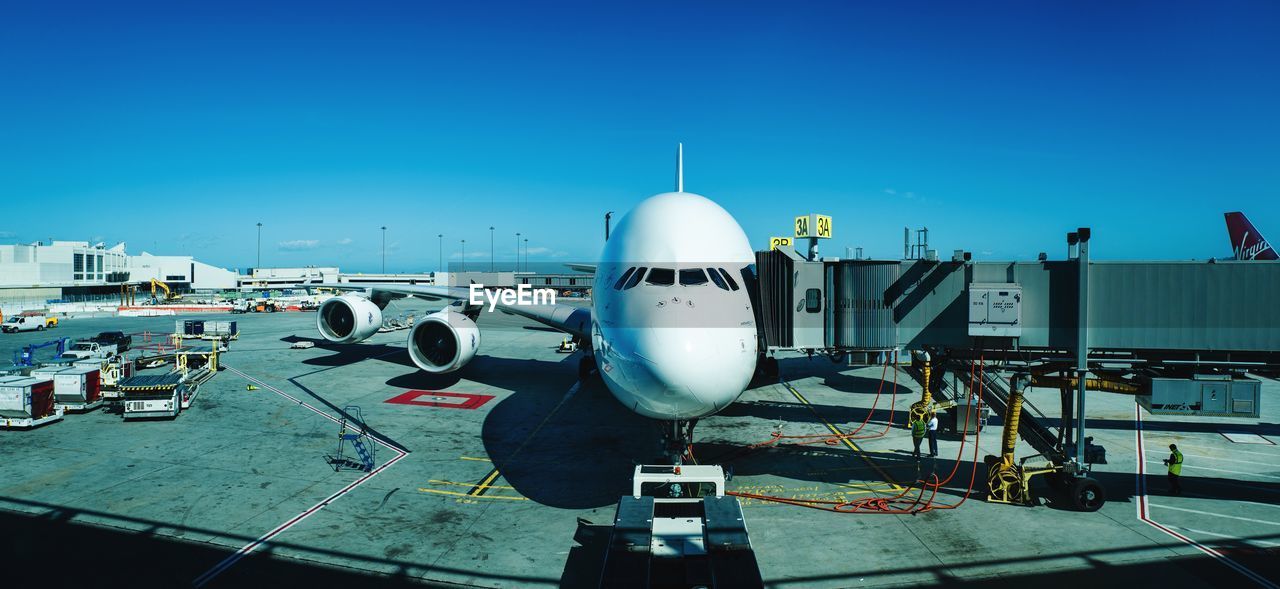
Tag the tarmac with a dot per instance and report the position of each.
(507, 473)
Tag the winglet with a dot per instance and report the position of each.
(679, 167)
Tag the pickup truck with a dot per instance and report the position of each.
(118, 339)
(23, 323)
(84, 350)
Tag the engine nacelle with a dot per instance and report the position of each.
(348, 319)
(443, 342)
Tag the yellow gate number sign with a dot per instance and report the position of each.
(818, 226)
(824, 226)
(777, 242)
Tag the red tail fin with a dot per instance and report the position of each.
(1246, 242)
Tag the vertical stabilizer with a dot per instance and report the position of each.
(1246, 242)
(679, 167)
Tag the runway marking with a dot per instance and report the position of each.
(847, 442)
(1227, 536)
(1216, 459)
(469, 400)
(1223, 515)
(1193, 467)
(245, 550)
(1143, 508)
(470, 497)
(468, 485)
(475, 458)
(483, 485)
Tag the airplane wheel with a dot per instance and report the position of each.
(1087, 495)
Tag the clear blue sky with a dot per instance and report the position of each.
(176, 126)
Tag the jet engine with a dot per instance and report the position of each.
(348, 319)
(443, 342)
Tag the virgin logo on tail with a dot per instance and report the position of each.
(1246, 242)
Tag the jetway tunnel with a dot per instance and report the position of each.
(1181, 336)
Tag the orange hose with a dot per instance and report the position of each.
(897, 505)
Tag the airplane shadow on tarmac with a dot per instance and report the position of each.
(344, 354)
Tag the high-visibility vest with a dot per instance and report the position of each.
(917, 428)
(1175, 465)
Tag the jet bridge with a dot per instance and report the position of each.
(1179, 335)
(1194, 313)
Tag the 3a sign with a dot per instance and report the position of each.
(818, 226)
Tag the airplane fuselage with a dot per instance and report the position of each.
(673, 332)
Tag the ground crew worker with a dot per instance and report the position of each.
(933, 434)
(1174, 462)
(918, 428)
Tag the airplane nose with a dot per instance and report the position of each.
(698, 371)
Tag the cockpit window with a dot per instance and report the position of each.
(692, 277)
(662, 277)
(717, 279)
(733, 285)
(635, 278)
(625, 275)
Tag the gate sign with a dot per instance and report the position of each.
(777, 242)
(815, 226)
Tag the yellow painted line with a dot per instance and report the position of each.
(457, 494)
(468, 485)
(847, 442)
(484, 483)
(474, 458)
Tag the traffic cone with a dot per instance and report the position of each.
(250, 387)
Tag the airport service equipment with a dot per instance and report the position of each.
(27, 355)
(27, 402)
(152, 395)
(112, 371)
(78, 388)
(677, 527)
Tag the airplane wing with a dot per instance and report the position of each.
(572, 320)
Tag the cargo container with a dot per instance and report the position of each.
(78, 388)
(27, 402)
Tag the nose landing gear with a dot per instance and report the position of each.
(677, 440)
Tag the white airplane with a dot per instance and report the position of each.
(671, 329)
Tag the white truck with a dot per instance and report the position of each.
(84, 350)
(23, 323)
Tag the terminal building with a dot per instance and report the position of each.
(78, 271)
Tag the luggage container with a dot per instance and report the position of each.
(49, 371)
(224, 330)
(78, 388)
(27, 402)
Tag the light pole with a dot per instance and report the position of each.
(526, 254)
(464, 255)
(259, 264)
(384, 249)
(440, 254)
(490, 248)
(517, 251)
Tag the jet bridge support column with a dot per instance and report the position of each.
(1082, 339)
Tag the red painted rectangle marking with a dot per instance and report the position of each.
(434, 399)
